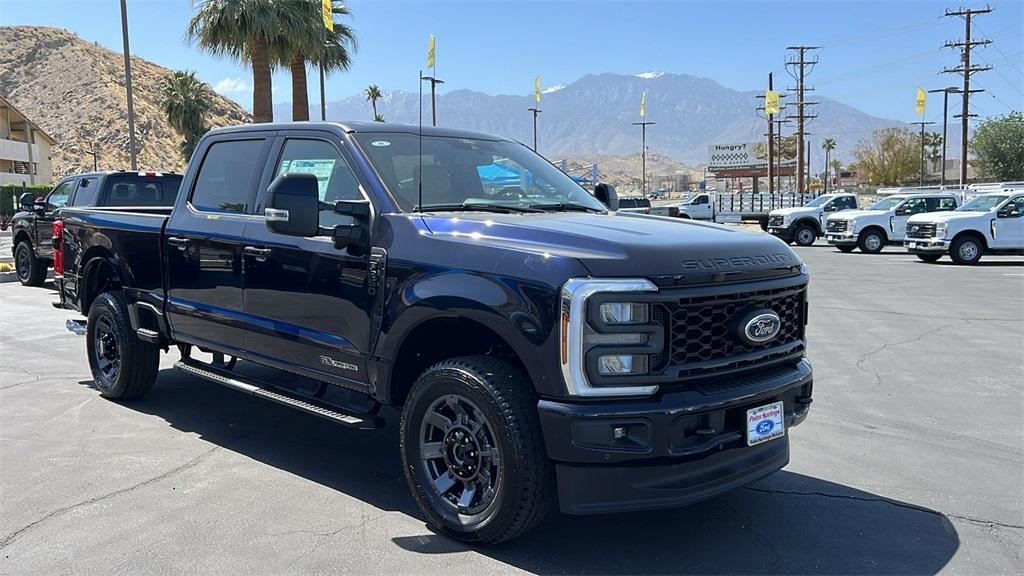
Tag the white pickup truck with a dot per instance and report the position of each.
(988, 224)
(884, 223)
(805, 224)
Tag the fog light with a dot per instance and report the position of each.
(622, 364)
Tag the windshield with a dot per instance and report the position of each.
(820, 200)
(888, 203)
(982, 204)
(462, 173)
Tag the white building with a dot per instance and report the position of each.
(24, 148)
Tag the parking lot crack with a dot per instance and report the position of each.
(13, 536)
(880, 500)
(36, 376)
(875, 375)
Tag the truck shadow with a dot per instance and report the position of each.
(786, 523)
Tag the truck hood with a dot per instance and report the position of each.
(945, 216)
(793, 211)
(618, 244)
(850, 214)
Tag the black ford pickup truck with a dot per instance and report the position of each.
(32, 227)
(540, 346)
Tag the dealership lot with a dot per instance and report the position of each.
(911, 460)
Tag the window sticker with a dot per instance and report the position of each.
(321, 168)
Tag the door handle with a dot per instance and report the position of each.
(179, 243)
(259, 254)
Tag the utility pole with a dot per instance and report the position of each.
(799, 67)
(779, 144)
(763, 112)
(535, 111)
(643, 154)
(323, 92)
(945, 127)
(967, 70)
(128, 85)
(920, 179)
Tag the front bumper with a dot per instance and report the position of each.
(785, 233)
(926, 245)
(841, 237)
(677, 448)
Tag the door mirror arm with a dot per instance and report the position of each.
(354, 236)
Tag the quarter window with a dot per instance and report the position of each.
(227, 177)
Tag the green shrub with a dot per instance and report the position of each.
(9, 194)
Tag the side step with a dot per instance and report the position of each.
(267, 391)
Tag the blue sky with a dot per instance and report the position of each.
(874, 53)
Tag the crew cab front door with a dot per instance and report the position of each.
(203, 243)
(1008, 227)
(42, 223)
(308, 300)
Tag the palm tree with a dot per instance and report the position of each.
(836, 165)
(378, 118)
(243, 29)
(828, 145)
(185, 100)
(372, 93)
(314, 43)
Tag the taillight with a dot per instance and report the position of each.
(58, 252)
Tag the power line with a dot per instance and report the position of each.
(799, 67)
(1000, 50)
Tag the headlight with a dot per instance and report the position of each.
(785, 219)
(605, 338)
(940, 229)
(851, 225)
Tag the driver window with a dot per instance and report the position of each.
(914, 206)
(701, 200)
(335, 178)
(59, 197)
(1017, 202)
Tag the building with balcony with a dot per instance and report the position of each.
(24, 148)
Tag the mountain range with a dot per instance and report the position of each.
(594, 116)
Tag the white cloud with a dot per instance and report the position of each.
(231, 85)
(650, 75)
(552, 89)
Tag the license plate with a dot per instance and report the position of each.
(911, 244)
(765, 423)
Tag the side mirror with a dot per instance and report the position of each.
(605, 194)
(1009, 211)
(830, 208)
(27, 201)
(293, 205)
(902, 211)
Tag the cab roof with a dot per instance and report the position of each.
(356, 127)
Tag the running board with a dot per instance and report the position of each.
(267, 391)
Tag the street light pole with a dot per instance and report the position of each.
(920, 180)
(128, 85)
(433, 104)
(945, 126)
(535, 111)
(643, 154)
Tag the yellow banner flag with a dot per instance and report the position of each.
(430, 51)
(771, 102)
(922, 96)
(643, 105)
(328, 14)
(536, 89)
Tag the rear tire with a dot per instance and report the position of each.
(31, 270)
(845, 248)
(871, 241)
(123, 367)
(965, 250)
(805, 235)
(929, 258)
(472, 450)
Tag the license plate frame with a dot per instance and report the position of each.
(766, 423)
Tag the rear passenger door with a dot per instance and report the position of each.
(308, 300)
(203, 242)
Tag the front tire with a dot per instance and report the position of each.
(123, 367)
(31, 270)
(805, 235)
(929, 258)
(965, 250)
(472, 450)
(871, 241)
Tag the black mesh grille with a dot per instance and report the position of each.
(776, 221)
(920, 230)
(836, 226)
(700, 328)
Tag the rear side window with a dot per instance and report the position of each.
(86, 192)
(944, 205)
(133, 190)
(226, 178)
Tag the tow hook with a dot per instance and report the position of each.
(76, 327)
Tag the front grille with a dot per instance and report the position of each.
(836, 226)
(920, 230)
(776, 221)
(700, 331)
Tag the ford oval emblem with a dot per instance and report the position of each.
(761, 326)
(765, 426)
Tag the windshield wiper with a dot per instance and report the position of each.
(474, 207)
(566, 206)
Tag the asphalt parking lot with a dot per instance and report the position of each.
(911, 462)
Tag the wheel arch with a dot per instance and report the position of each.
(100, 272)
(809, 221)
(973, 233)
(879, 227)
